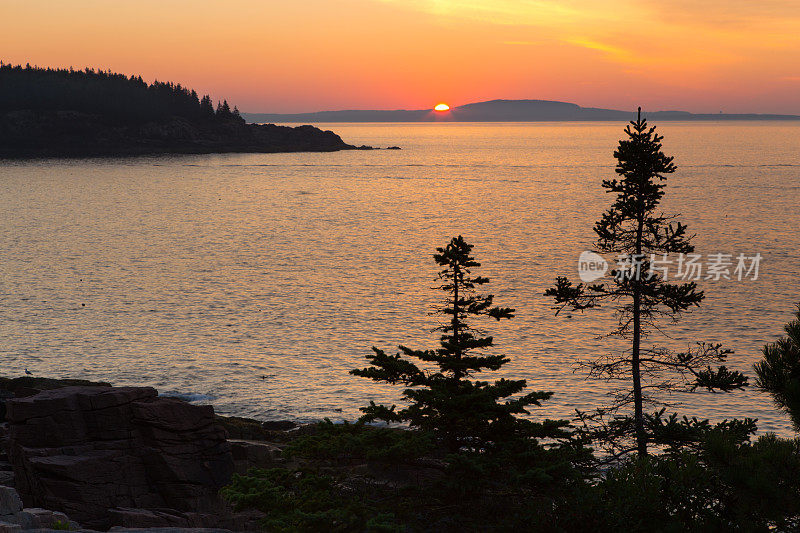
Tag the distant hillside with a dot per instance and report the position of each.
(499, 111)
(66, 112)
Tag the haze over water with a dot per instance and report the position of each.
(201, 275)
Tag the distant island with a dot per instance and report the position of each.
(80, 113)
(500, 111)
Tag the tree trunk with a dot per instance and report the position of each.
(641, 438)
(455, 322)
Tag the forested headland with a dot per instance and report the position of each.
(66, 112)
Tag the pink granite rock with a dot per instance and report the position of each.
(86, 450)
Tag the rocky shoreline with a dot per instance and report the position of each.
(87, 456)
(35, 134)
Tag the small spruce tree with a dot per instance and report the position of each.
(446, 401)
(206, 107)
(223, 109)
(779, 371)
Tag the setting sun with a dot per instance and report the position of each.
(441, 107)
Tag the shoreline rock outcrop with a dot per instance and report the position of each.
(13, 517)
(119, 456)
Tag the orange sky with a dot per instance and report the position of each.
(292, 55)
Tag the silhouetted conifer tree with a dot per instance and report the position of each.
(223, 109)
(635, 231)
(779, 371)
(446, 401)
(206, 107)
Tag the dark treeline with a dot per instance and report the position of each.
(117, 97)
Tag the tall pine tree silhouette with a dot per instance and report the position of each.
(637, 232)
(461, 411)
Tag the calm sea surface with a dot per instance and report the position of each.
(255, 282)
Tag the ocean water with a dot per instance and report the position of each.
(254, 282)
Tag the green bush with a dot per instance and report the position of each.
(726, 486)
(354, 442)
(298, 501)
(61, 526)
